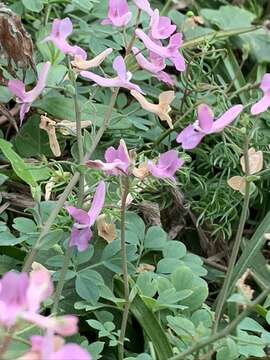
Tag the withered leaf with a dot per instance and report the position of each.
(15, 42)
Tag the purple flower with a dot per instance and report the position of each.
(118, 13)
(154, 65)
(61, 29)
(52, 347)
(26, 98)
(81, 232)
(192, 135)
(21, 295)
(170, 52)
(144, 5)
(161, 27)
(168, 164)
(121, 80)
(117, 161)
(264, 103)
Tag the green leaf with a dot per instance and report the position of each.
(24, 225)
(17, 163)
(235, 74)
(251, 249)
(3, 178)
(33, 5)
(87, 285)
(155, 238)
(181, 326)
(32, 141)
(229, 17)
(174, 250)
(182, 278)
(7, 239)
(150, 325)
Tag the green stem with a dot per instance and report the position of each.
(225, 288)
(168, 131)
(61, 282)
(225, 332)
(218, 35)
(124, 267)
(166, 7)
(129, 47)
(70, 186)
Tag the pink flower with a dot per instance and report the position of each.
(61, 29)
(52, 347)
(118, 13)
(192, 135)
(144, 5)
(21, 294)
(26, 98)
(63, 325)
(81, 232)
(81, 64)
(154, 65)
(168, 164)
(161, 27)
(117, 161)
(264, 103)
(122, 80)
(170, 52)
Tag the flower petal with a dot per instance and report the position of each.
(79, 215)
(101, 81)
(228, 117)
(71, 352)
(189, 138)
(23, 111)
(144, 5)
(146, 64)
(80, 238)
(65, 28)
(262, 105)
(98, 202)
(161, 27)
(120, 67)
(205, 117)
(17, 88)
(265, 83)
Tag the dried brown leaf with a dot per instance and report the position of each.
(15, 42)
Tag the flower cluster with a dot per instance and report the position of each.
(21, 296)
(118, 161)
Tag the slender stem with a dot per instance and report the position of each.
(79, 141)
(166, 7)
(225, 332)
(129, 47)
(6, 342)
(225, 288)
(168, 131)
(70, 186)
(61, 282)
(124, 267)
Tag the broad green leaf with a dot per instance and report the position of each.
(155, 238)
(87, 285)
(174, 250)
(17, 163)
(33, 5)
(32, 141)
(24, 225)
(229, 17)
(252, 248)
